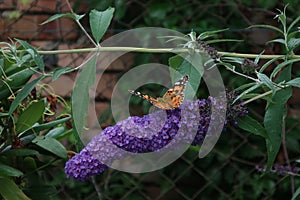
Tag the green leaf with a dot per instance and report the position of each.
(20, 152)
(293, 43)
(208, 34)
(31, 115)
(274, 117)
(1, 66)
(281, 41)
(267, 27)
(23, 94)
(254, 87)
(66, 15)
(258, 57)
(265, 80)
(6, 170)
(19, 78)
(56, 132)
(34, 54)
(15, 81)
(100, 21)
(51, 145)
(9, 190)
(186, 66)
(293, 24)
(80, 95)
(296, 194)
(58, 72)
(267, 64)
(249, 124)
(4, 115)
(222, 40)
(295, 82)
(247, 85)
(282, 65)
(40, 127)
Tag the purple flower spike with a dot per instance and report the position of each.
(151, 133)
(77, 166)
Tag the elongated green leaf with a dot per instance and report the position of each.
(254, 87)
(6, 170)
(295, 82)
(265, 80)
(267, 64)
(242, 87)
(187, 66)
(208, 34)
(9, 190)
(1, 66)
(40, 127)
(34, 54)
(100, 21)
(56, 132)
(254, 95)
(31, 115)
(293, 43)
(20, 152)
(59, 71)
(51, 145)
(274, 117)
(66, 15)
(258, 57)
(296, 194)
(222, 40)
(22, 94)
(15, 81)
(80, 95)
(4, 115)
(293, 24)
(281, 41)
(267, 26)
(282, 65)
(19, 78)
(251, 125)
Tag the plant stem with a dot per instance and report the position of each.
(151, 50)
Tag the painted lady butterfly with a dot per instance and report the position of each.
(171, 99)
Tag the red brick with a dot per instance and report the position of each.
(63, 86)
(49, 6)
(71, 60)
(25, 27)
(123, 62)
(28, 27)
(7, 4)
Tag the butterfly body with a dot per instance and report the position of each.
(171, 99)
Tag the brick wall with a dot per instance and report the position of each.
(22, 20)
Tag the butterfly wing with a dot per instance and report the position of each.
(171, 99)
(175, 95)
(144, 96)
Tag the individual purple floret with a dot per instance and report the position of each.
(187, 124)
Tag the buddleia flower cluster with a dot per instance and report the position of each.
(151, 133)
(210, 51)
(248, 66)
